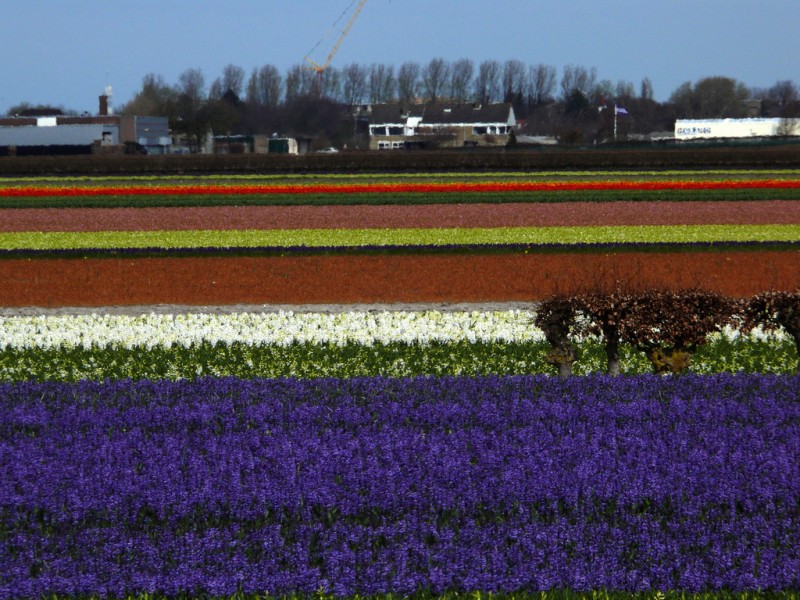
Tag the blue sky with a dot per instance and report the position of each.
(64, 52)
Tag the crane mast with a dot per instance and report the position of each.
(320, 68)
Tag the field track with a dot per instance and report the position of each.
(399, 216)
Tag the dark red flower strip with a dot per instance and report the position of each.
(365, 188)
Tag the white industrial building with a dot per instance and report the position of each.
(694, 129)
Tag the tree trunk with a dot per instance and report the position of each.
(562, 356)
(795, 333)
(565, 369)
(612, 355)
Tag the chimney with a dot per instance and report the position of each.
(103, 106)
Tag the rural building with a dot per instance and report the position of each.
(64, 134)
(240, 144)
(694, 129)
(439, 125)
(260, 144)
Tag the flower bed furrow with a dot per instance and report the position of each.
(393, 278)
(376, 485)
(510, 214)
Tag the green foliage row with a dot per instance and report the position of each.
(722, 354)
(500, 159)
(400, 198)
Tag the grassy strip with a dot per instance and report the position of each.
(675, 234)
(404, 198)
(308, 360)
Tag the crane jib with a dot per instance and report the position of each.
(345, 30)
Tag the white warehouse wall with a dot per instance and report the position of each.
(690, 129)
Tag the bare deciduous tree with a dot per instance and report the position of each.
(624, 90)
(192, 84)
(354, 83)
(487, 83)
(783, 92)
(299, 82)
(233, 79)
(461, 73)
(711, 98)
(382, 83)
(577, 78)
(434, 79)
(408, 81)
(541, 84)
(156, 98)
(328, 84)
(264, 86)
(646, 89)
(513, 80)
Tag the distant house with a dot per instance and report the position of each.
(441, 125)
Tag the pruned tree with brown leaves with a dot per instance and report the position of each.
(669, 325)
(557, 318)
(607, 313)
(774, 310)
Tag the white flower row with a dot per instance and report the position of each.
(279, 328)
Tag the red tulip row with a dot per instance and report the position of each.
(363, 188)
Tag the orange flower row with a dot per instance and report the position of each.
(379, 188)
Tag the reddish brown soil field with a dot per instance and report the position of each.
(380, 279)
(437, 215)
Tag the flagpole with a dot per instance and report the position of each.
(615, 121)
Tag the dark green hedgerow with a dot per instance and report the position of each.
(409, 250)
(409, 198)
(782, 155)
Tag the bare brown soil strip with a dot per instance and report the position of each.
(381, 279)
(394, 216)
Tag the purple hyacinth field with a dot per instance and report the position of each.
(373, 485)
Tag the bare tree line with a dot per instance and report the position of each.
(439, 79)
(355, 83)
(303, 100)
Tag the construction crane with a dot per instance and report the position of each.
(320, 68)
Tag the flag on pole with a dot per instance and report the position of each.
(618, 110)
